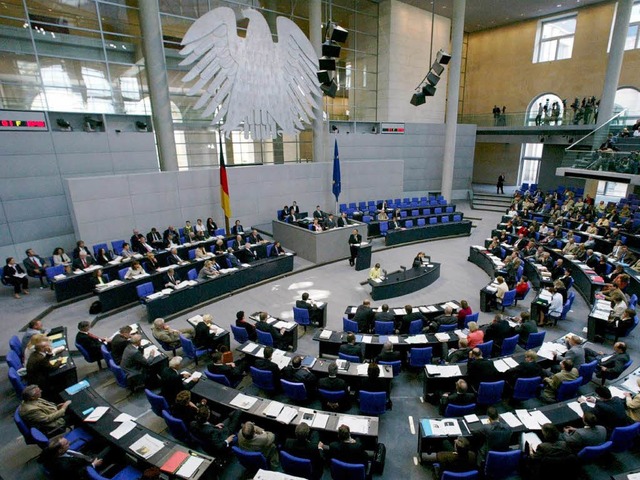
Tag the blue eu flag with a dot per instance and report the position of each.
(337, 184)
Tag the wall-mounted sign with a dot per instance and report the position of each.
(392, 128)
(19, 120)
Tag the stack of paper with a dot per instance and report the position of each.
(575, 406)
(511, 419)
(243, 401)
(273, 409)
(326, 334)
(282, 362)
(356, 424)
(249, 347)
(147, 446)
(527, 420)
(442, 336)
(287, 415)
(124, 428)
(189, 467)
(96, 414)
(460, 333)
(539, 417)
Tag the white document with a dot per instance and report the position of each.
(188, 468)
(287, 415)
(123, 417)
(96, 414)
(195, 376)
(442, 336)
(282, 362)
(249, 347)
(575, 406)
(367, 339)
(432, 309)
(124, 428)
(527, 420)
(260, 353)
(532, 439)
(450, 371)
(362, 368)
(471, 418)
(394, 339)
(616, 392)
(326, 334)
(631, 384)
(147, 446)
(500, 365)
(510, 362)
(320, 421)
(274, 409)
(511, 419)
(271, 320)
(196, 319)
(355, 424)
(399, 311)
(243, 401)
(539, 417)
(460, 333)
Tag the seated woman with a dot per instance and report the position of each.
(200, 230)
(201, 252)
(134, 270)
(60, 258)
(211, 227)
(465, 310)
(13, 274)
(383, 215)
(475, 336)
(103, 257)
(151, 263)
(316, 225)
(210, 269)
(98, 278)
(189, 233)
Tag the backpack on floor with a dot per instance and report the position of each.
(95, 308)
(377, 465)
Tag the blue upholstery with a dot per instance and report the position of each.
(508, 299)
(16, 382)
(300, 467)
(509, 345)
(332, 396)
(453, 410)
(269, 249)
(396, 365)
(264, 338)
(421, 222)
(122, 272)
(502, 464)
(192, 254)
(219, 378)
(524, 295)
(447, 328)
(586, 371)
(127, 473)
(470, 475)
(408, 224)
(119, 373)
(86, 355)
(526, 388)
(144, 290)
(347, 471)
(189, 349)
(471, 318)
(117, 245)
(349, 325)
(240, 334)
(373, 403)
(415, 327)
(177, 428)
(622, 438)
(433, 220)
(263, 379)
(106, 354)
(296, 391)
(301, 316)
(53, 271)
(535, 340)
(158, 402)
(97, 247)
(22, 427)
(16, 345)
(252, 461)
(457, 218)
(486, 348)
(349, 358)
(630, 329)
(490, 393)
(633, 301)
(13, 360)
(384, 228)
(568, 389)
(383, 328)
(419, 357)
(589, 454)
(444, 219)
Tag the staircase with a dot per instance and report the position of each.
(491, 201)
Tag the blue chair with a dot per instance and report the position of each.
(526, 388)
(189, 349)
(457, 218)
(177, 428)
(396, 365)
(415, 327)
(415, 213)
(453, 410)
(13, 360)
(622, 438)
(296, 391)
(447, 328)
(263, 379)
(502, 464)
(589, 454)
(373, 403)
(296, 466)
(633, 301)
(119, 373)
(87, 356)
(192, 274)
(301, 317)
(403, 214)
(220, 232)
(158, 402)
(470, 475)
(408, 224)
(240, 334)
(269, 249)
(383, 328)
(349, 358)
(519, 273)
(219, 378)
(535, 340)
(330, 396)
(144, 290)
(524, 295)
(23, 428)
(586, 371)
(192, 254)
(264, 338)
(565, 309)
(444, 219)
(252, 461)
(16, 382)
(349, 325)
(347, 471)
(116, 246)
(106, 354)
(384, 228)
(122, 272)
(53, 271)
(421, 222)
(508, 299)
(78, 438)
(438, 211)
(568, 389)
(367, 218)
(509, 345)
(97, 247)
(16, 345)
(127, 473)
(433, 220)
(471, 318)
(486, 348)
(490, 393)
(419, 357)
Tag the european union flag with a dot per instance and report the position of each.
(337, 184)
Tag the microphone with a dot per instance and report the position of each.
(404, 269)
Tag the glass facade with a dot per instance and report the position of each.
(555, 39)
(86, 56)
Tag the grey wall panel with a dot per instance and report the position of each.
(101, 187)
(85, 164)
(26, 143)
(150, 183)
(135, 162)
(34, 208)
(31, 187)
(79, 142)
(29, 230)
(31, 165)
(130, 141)
(103, 209)
(152, 202)
(5, 238)
(199, 196)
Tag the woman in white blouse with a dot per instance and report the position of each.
(60, 258)
(201, 252)
(134, 270)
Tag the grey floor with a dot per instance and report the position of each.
(336, 284)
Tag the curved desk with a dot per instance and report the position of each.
(402, 282)
(428, 232)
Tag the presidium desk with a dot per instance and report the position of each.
(402, 282)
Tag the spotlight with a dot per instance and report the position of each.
(437, 68)
(336, 33)
(428, 90)
(442, 58)
(327, 63)
(330, 89)
(331, 49)
(325, 76)
(91, 124)
(418, 99)
(64, 125)
(432, 78)
(141, 126)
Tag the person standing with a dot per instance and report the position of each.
(500, 184)
(355, 239)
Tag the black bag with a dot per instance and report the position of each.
(95, 308)
(377, 465)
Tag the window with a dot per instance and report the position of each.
(555, 39)
(633, 34)
(530, 162)
(612, 189)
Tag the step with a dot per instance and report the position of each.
(503, 198)
(488, 208)
(491, 203)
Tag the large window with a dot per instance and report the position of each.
(633, 34)
(554, 39)
(530, 162)
(546, 109)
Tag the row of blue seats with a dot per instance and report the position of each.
(395, 203)
(421, 222)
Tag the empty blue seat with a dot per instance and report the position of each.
(144, 290)
(568, 389)
(509, 345)
(240, 334)
(296, 391)
(296, 466)
(396, 365)
(158, 402)
(526, 388)
(486, 348)
(490, 393)
(453, 410)
(117, 245)
(383, 328)
(535, 340)
(190, 351)
(419, 357)
(373, 403)
(347, 471)
(263, 379)
(265, 338)
(408, 224)
(349, 325)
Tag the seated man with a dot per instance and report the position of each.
(266, 364)
(568, 372)
(40, 366)
(164, 333)
(305, 445)
(36, 266)
(457, 355)
(387, 354)
(42, 414)
(552, 458)
(480, 369)
(373, 383)
(315, 314)
(346, 449)
(229, 370)
(295, 372)
(410, 317)
(34, 327)
(136, 365)
(461, 396)
(280, 338)
(350, 348)
(462, 459)
(83, 261)
(590, 435)
(612, 366)
(215, 439)
(241, 322)
(90, 342)
(334, 384)
(204, 338)
(384, 315)
(609, 410)
(528, 368)
(526, 326)
(498, 330)
(119, 342)
(494, 436)
(447, 318)
(256, 439)
(61, 462)
(364, 317)
(171, 380)
(171, 278)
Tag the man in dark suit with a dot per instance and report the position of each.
(171, 279)
(610, 411)
(237, 228)
(497, 331)
(204, 338)
(495, 435)
(354, 239)
(144, 248)
(373, 383)
(62, 462)
(480, 369)
(135, 240)
(36, 266)
(350, 348)
(334, 384)
(171, 380)
(387, 354)
(171, 234)
(255, 238)
(91, 343)
(39, 368)
(315, 314)
(229, 370)
(242, 322)
(279, 339)
(329, 222)
(592, 259)
(295, 372)
(346, 449)
(343, 220)
(364, 316)
(528, 368)
(173, 258)
(459, 354)
(238, 243)
(614, 365)
(305, 445)
(590, 435)
(83, 261)
(525, 327)
(384, 315)
(318, 213)
(265, 363)
(80, 246)
(136, 365)
(215, 439)
(461, 396)
(119, 342)
(155, 239)
(410, 316)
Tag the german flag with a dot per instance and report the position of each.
(224, 184)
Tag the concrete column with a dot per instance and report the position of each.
(156, 70)
(315, 35)
(453, 92)
(620, 27)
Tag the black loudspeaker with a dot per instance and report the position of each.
(327, 63)
(432, 78)
(337, 33)
(330, 89)
(418, 99)
(331, 49)
(442, 57)
(437, 68)
(428, 90)
(325, 76)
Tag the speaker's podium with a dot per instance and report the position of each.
(363, 259)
